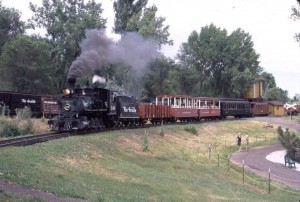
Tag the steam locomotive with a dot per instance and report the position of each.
(85, 108)
(88, 108)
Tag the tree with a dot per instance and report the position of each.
(277, 93)
(296, 16)
(225, 65)
(158, 80)
(188, 80)
(241, 63)
(148, 25)
(10, 24)
(124, 10)
(273, 92)
(201, 55)
(65, 23)
(270, 79)
(289, 141)
(133, 16)
(26, 66)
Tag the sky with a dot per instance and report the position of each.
(267, 21)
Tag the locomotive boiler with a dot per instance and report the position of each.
(87, 108)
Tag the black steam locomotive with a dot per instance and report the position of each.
(87, 108)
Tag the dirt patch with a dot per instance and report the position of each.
(280, 121)
(26, 191)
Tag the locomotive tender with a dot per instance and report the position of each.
(88, 108)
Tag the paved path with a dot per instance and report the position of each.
(255, 161)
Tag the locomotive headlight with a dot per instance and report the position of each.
(66, 91)
(67, 107)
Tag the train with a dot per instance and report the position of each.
(39, 105)
(94, 107)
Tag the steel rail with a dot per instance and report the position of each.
(32, 139)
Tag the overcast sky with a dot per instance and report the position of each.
(267, 21)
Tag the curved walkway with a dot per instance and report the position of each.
(255, 161)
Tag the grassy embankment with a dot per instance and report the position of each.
(112, 166)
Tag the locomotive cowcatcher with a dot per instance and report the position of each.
(87, 108)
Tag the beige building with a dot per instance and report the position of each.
(276, 108)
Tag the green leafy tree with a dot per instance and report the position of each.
(124, 10)
(225, 65)
(65, 23)
(296, 16)
(272, 91)
(277, 93)
(157, 81)
(202, 55)
(149, 25)
(26, 66)
(242, 65)
(10, 24)
(134, 16)
(270, 79)
(195, 61)
(189, 81)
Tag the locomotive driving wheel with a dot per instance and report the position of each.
(99, 122)
(67, 126)
(93, 123)
(55, 126)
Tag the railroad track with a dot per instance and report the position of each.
(32, 139)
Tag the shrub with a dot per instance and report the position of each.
(14, 127)
(162, 133)
(24, 113)
(289, 141)
(191, 129)
(28, 128)
(145, 142)
(10, 129)
(4, 110)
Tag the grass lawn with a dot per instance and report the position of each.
(112, 166)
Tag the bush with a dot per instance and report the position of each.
(28, 128)
(4, 110)
(289, 141)
(10, 129)
(162, 133)
(24, 113)
(14, 127)
(145, 142)
(191, 129)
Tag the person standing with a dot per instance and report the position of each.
(247, 142)
(239, 140)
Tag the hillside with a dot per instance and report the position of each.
(113, 166)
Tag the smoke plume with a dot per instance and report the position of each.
(97, 50)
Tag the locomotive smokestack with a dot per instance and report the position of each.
(71, 83)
